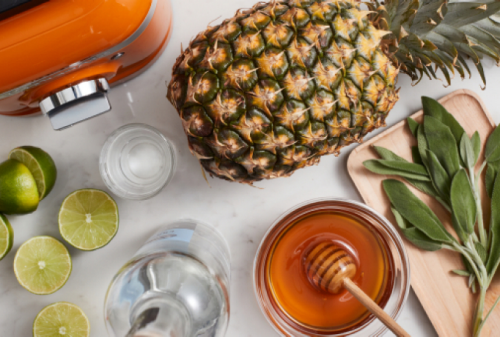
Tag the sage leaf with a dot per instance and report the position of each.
(402, 222)
(467, 265)
(434, 109)
(442, 143)
(388, 154)
(422, 241)
(481, 251)
(422, 146)
(415, 154)
(472, 283)
(489, 179)
(458, 228)
(439, 176)
(413, 125)
(461, 272)
(463, 202)
(476, 145)
(428, 188)
(494, 253)
(404, 166)
(492, 149)
(376, 167)
(416, 211)
(467, 152)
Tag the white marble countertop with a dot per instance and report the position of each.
(242, 213)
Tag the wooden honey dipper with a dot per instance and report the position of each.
(330, 268)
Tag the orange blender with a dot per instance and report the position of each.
(60, 57)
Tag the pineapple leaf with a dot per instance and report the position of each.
(400, 12)
(443, 44)
(429, 15)
(463, 13)
(480, 69)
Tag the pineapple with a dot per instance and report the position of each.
(277, 86)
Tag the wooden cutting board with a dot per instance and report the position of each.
(445, 296)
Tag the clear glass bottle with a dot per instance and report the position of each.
(177, 285)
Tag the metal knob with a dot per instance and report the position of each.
(77, 103)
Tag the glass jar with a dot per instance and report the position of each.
(380, 226)
(137, 161)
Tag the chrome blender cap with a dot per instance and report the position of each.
(77, 103)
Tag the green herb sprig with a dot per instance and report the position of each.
(443, 167)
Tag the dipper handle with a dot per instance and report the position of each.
(369, 304)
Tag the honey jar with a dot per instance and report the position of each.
(294, 306)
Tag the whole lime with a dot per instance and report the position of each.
(18, 189)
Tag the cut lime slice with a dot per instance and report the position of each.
(6, 236)
(42, 265)
(88, 219)
(61, 319)
(41, 166)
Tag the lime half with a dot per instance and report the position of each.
(6, 236)
(40, 164)
(42, 265)
(88, 219)
(61, 319)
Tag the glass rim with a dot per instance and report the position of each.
(123, 193)
(276, 229)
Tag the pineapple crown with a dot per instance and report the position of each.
(440, 32)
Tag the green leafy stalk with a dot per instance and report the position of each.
(443, 167)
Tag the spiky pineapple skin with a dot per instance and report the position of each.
(276, 87)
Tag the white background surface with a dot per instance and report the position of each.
(242, 213)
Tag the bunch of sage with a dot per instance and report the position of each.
(443, 167)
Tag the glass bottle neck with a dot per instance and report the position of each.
(162, 318)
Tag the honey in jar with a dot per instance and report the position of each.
(304, 305)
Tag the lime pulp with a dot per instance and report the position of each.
(42, 265)
(61, 319)
(88, 219)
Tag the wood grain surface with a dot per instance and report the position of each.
(448, 301)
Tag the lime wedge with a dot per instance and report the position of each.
(42, 265)
(88, 219)
(41, 166)
(6, 236)
(61, 319)
(18, 190)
